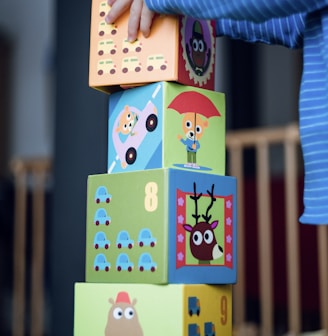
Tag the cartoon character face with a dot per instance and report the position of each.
(193, 126)
(145, 121)
(198, 49)
(198, 45)
(127, 121)
(203, 244)
(122, 317)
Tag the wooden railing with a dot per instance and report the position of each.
(32, 175)
(29, 176)
(261, 140)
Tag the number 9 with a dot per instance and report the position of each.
(224, 310)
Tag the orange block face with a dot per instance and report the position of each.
(180, 49)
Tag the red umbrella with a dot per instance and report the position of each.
(192, 101)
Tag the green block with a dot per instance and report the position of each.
(146, 227)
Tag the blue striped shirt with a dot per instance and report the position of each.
(294, 24)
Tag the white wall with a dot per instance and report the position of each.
(29, 25)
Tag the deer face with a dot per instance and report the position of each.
(202, 241)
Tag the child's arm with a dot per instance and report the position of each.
(287, 31)
(140, 16)
(250, 10)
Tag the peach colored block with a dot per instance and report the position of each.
(180, 49)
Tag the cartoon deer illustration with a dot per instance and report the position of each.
(202, 241)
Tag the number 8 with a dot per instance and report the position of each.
(151, 200)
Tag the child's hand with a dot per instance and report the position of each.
(140, 16)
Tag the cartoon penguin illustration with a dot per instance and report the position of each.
(122, 317)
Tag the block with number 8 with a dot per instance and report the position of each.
(161, 226)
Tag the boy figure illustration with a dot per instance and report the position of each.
(193, 127)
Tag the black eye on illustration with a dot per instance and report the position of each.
(118, 313)
(201, 46)
(188, 124)
(195, 45)
(197, 238)
(129, 313)
(208, 236)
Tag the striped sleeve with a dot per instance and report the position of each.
(287, 31)
(314, 119)
(252, 10)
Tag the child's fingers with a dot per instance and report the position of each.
(140, 16)
(146, 20)
(117, 9)
(134, 20)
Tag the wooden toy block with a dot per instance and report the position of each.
(163, 125)
(139, 309)
(161, 226)
(179, 49)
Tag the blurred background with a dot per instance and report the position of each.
(48, 111)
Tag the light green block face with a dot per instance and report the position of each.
(97, 308)
(141, 310)
(194, 129)
(126, 237)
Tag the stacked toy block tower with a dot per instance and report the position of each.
(161, 222)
